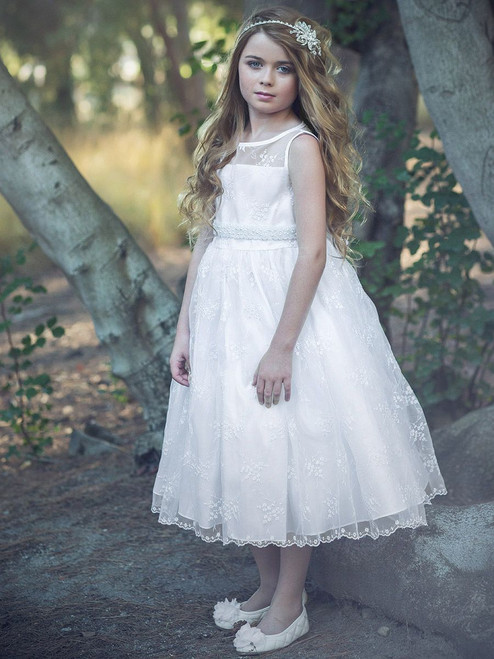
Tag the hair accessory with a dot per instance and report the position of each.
(304, 33)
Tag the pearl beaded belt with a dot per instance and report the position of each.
(255, 232)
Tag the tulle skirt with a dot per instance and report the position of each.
(349, 455)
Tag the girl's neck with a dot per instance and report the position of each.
(264, 126)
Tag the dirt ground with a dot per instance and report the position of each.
(86, 569)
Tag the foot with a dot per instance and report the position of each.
(229, 612)
(259, 600)
(278, 618)
(252, 640)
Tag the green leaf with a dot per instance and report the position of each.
(38, 289)
(31, 392)
(368, 248)
(198, 45)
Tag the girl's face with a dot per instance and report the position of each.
(267, 78)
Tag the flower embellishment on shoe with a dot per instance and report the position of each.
(248, 639)
(251, 640)
(226, 614)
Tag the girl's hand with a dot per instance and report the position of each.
(273, 372)
(179, 359)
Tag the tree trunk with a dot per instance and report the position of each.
(152, 100)
(451, 44)
(189, 93)
(134, 313)
(64, 108)
(386, 87)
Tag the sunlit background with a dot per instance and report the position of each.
(112, 79)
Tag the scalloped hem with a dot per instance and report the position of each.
(384, 526)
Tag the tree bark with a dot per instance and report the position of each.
(386, 87)
(151, 92)
(134, 313)
(451, 44)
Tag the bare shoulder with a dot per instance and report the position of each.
(304, 155)
(304, 143)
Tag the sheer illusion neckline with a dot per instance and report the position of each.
(271, 139)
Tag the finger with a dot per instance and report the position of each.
(287, 384)
(268, 396)
(181, 379)
(254, 379)
(276, 393)
(180, 372)
(260, 390)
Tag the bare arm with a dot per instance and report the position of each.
(179, 358)
(308, 182)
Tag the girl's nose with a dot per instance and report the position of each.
(267, 76)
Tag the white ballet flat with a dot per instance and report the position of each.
(228, 613)
(251, 640)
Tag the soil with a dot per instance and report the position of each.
(88, 571)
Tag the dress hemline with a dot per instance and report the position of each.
(322, 538)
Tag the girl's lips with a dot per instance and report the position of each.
(264, 95)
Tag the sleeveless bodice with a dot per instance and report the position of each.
(257, 199)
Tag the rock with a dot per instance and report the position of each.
(147, 451)
(439, 578)
(93, 429)
(383, 631)
(82, 444)
(465, 452)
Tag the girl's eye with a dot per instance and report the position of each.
(285, 69)
(254, 64)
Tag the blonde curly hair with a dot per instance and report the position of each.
(319, 104)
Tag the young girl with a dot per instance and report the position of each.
(290, 423)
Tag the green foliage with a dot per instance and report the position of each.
(103, 60)
(22, 388)
(115, 388)
(206, 56)
(446, 342)
(187, 123)
(352, 21)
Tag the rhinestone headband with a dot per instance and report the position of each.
(304, 33)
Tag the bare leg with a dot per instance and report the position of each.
(286, 604)
(268, 563)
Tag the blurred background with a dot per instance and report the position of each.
(123, 85)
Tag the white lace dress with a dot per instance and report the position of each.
(350, 454)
